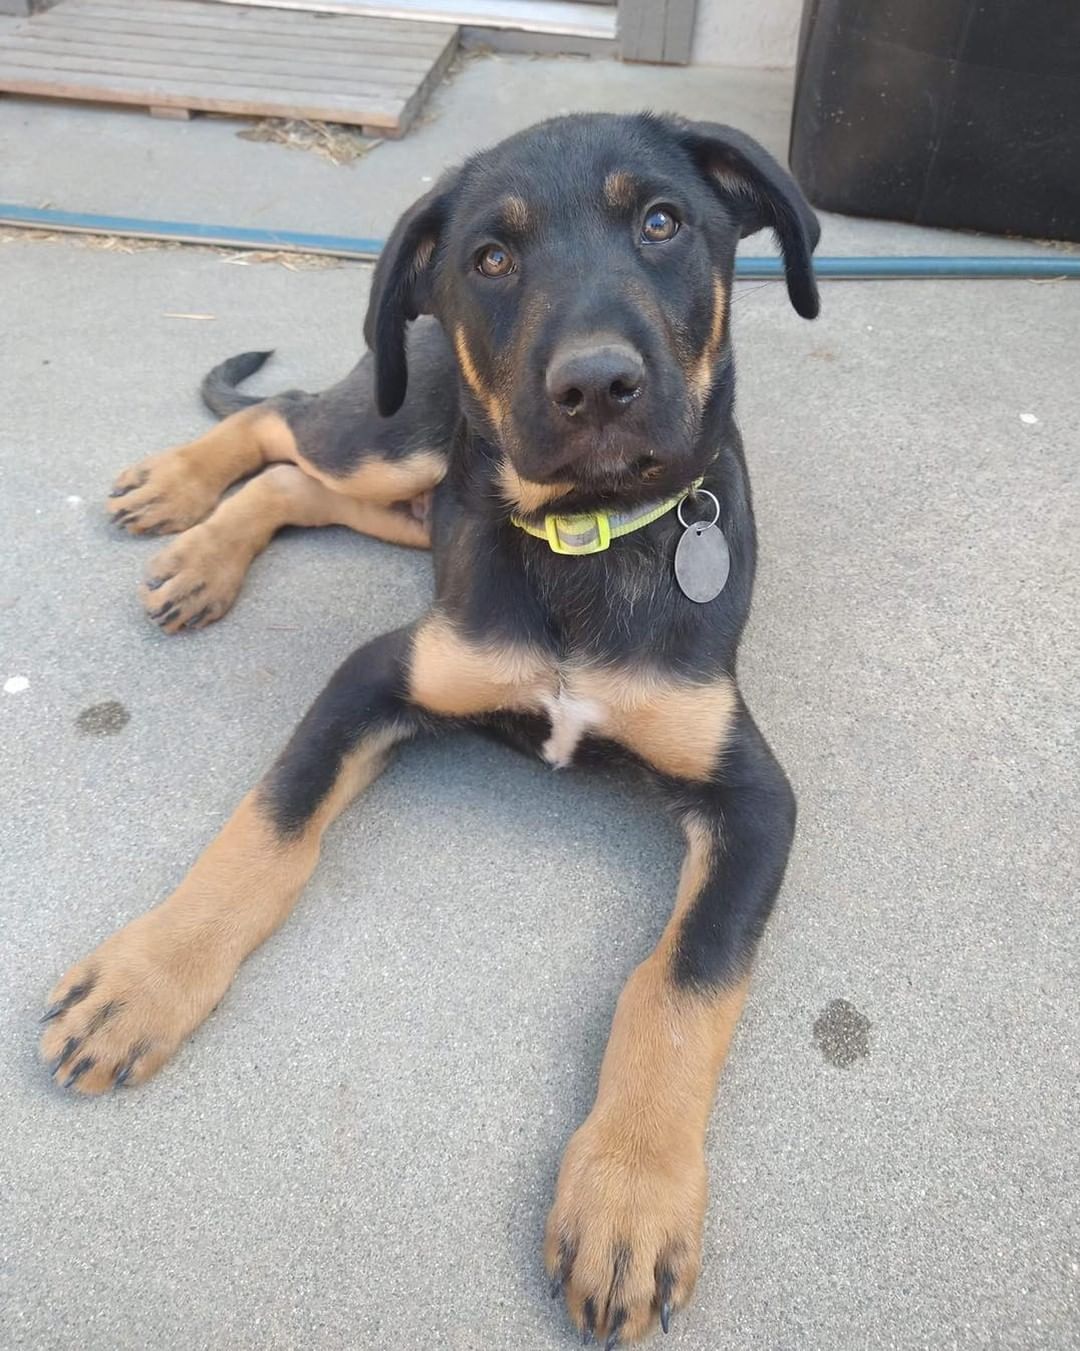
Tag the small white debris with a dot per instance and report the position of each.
(1028, 419)
(16, 685)
(73, 501)
(425, 178)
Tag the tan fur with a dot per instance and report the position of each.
(205, 566)
(633, 1177)
(457, 678)
(488, 399)
(675, 726)
(701, 376)
(152, 983)
(384, 482)
(620, 190)
(515, 213)
(170, 491)
(525, 495)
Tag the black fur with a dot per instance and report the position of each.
(582, 267)
(365, 695)
(219, 391)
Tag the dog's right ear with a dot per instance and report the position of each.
(401, 290)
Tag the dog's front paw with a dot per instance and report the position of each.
(161, 495)
(117, 1016)
(624, 1235)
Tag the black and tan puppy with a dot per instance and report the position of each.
(551, 432)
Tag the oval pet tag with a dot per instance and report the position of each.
(702, 558)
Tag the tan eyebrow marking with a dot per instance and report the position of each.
(620, 189)
(515, 212)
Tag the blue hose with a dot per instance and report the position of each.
(747, 267)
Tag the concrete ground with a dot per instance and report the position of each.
(358, 1148)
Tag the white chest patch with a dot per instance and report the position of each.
(571, 717)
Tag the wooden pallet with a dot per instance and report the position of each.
(179, 56)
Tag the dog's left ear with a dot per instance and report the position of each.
(760, 193)
(401, 290)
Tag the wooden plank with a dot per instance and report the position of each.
(286, 74)
(175, 56)
(250, 39)
(336, 53)
(298, 24)
(170, 114)
(383, 114)
(223, 77)
(641, 29)
(530, 16)
(656, 30)
(428, 36)
(679, 32)
(423, 93)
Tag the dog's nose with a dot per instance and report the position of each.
(595, 381)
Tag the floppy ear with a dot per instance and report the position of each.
(760, 193)
(401, 290)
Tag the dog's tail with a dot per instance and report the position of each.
(219, 390)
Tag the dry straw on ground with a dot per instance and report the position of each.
(340, 145)
(295, 262)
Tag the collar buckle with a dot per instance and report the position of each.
(596, 523)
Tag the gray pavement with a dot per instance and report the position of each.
(358, 1148)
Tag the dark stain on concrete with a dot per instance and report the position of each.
(103, 719)
(842, 1033)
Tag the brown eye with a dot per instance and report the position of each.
(659, 226)
(495, 261)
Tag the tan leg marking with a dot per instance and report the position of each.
(132, 1001)
(169, 492)
(625, 1228)
(457, 678)
(194, 580)
(384, 482)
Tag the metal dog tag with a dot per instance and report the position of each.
(702, 562)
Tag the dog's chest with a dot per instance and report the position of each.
(572, 716)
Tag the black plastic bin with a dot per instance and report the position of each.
(961, 113)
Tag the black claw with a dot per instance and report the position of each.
(589, 1313)
(121, 1076)
(196, 620)
(53, 1011)
(162, 609)
(70, 1047)
(119, 492)
(77, 993)
(121, 516)
(86, 1063)
(616, 1328)
(665, 1315)
(155, 582)
(169, 615)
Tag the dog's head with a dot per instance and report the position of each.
(582, 272)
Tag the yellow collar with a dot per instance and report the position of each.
(594, 531)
